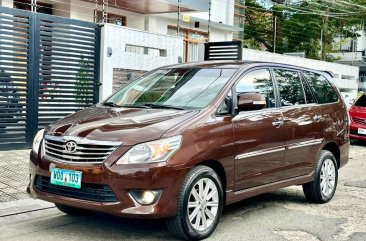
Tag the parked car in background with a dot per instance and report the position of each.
(183, 141)
(357, 114)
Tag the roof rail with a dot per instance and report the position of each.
(230, 50)
(329, 72)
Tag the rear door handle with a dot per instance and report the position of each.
(277, 123)
(318, 118)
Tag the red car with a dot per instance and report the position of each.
(358, 119)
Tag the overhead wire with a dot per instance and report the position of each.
(270, 32)
(284, 44)
(296, 10)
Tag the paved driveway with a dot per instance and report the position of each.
(14, 175)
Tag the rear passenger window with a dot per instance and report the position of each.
(308, 94)
(323, 90)
(258, 81)
(290, 87)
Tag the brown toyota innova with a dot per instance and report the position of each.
(183, 141)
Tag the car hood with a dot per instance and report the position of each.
(127, 125)
(358, 111)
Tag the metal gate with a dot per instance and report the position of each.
(49, 68)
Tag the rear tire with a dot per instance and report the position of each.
(200, 205)
(72, 210)
(322, 189)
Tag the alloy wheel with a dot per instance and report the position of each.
(203, 204)
(327, 177)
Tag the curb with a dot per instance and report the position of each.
(23, 206)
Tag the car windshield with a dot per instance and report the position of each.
(361, 101)
(180, 88)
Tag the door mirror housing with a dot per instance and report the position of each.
(251, 101)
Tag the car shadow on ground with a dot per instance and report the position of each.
(358, 143)
(112, 228)
(266, 200)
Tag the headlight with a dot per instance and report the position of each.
(154, 151)
(37, 140)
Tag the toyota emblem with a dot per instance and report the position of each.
(70, 146)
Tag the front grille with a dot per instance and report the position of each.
(84, 153)
(359, 121)
(90, 192)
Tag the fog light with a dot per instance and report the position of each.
(146, 197)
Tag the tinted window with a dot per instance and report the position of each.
(361, 101)
(290, 87)
(309, 96)
(321, 87)
(258, 81)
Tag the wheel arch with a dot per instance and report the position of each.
(334, 149)
(220, 170)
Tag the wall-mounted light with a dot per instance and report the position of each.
(109, 52)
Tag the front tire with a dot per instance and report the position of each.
(322, 189)
(200, 205)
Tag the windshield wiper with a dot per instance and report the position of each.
(111, 104)
(144, 106)
(164, 106)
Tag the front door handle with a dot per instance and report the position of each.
(277, 123)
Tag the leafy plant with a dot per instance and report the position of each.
(83, 80)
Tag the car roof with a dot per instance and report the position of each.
(212, 64)
(235, 64)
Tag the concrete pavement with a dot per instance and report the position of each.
(14, 175)
(281, 215)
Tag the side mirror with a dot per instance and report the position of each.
(251, 101)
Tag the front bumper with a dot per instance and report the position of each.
(354, 131)
(121, 180)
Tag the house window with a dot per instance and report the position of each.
(112, 18)
(191, 40)
(26, 5)
(146, 50)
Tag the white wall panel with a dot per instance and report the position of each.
(117, 37)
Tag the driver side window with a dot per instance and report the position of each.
(260, 82)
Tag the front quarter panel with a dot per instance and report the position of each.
(209, 139)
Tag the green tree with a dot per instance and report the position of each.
(314, 27)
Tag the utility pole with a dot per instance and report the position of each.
(274, 32)
(324, 36)
(178, 18)
(209, 20)
(244, 21)
(321, 42)
(353, 41)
